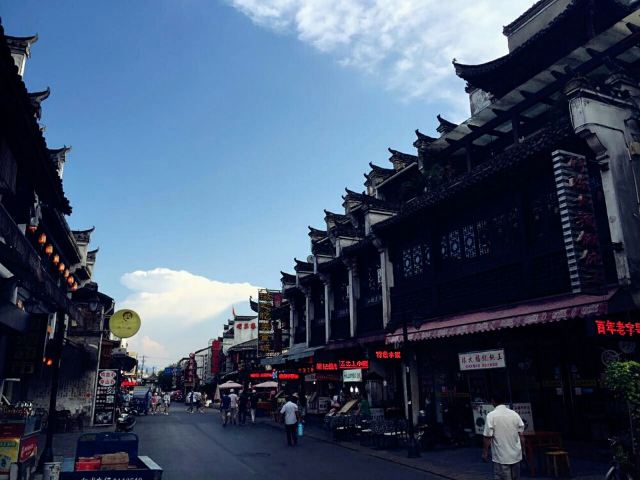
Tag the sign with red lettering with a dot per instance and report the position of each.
(388, 354)
(482, 360)
(261, 375)
(288, 376)
(617, 328)
(342, 365)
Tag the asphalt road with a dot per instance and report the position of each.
(197, 447)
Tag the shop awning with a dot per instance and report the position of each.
(279, 360)
(552, 309)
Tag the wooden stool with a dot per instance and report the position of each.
(556, 456)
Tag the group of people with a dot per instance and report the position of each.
(196, 401)
(154, 402)
(234, 408)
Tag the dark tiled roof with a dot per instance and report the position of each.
(303, 266)
(423, 140)
(44, 174)
(335, 217)
(566, 32)
(287, 278)
(358, 247)
(36, 101)
(323, 248)
(254, 305)
(316, 234)
(535, 8)
(401, 160)
(445, 126)
(544, 140)
(330, 265)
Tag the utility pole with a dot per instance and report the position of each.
(142, 367)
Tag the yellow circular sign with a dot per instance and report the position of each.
(124, 323)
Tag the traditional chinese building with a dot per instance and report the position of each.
(507, 245)
(49, 308)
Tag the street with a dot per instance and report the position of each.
(197, 447)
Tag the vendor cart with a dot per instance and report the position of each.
(95, 454)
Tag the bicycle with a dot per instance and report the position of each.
(621, 465)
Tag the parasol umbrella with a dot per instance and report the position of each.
(269, 384)
(229, 384)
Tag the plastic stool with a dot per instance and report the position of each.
(557, 456)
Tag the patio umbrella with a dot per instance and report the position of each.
(268, 384)
(229, 384)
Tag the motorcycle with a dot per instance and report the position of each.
(125, 421)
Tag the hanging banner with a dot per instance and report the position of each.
(105, 397)
(482, 360)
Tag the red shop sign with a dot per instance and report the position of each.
(261, 375)
(388, 354)
(288, 376)
(342, 365)
(617, 328)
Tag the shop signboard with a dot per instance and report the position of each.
(354, 375)
(342, 365)
(616, 328)
(480, 411)
(324, 404)
(216, 351)
(9, 449)
(105, 397)
(124, 323)
(388, 354)
(267, 301)
(28, 448)
(482, 360)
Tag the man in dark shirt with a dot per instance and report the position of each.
(225, 404)
(243, 404)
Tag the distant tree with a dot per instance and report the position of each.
(165, 382)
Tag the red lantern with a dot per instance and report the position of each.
(56, 259)
(48, 249)
(42, 239)
(74, 287)
(66, 273)
(70, 280)
(61, 267)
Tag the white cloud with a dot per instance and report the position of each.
(180, 311)
(409, 43)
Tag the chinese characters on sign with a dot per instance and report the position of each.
(105, 399)
(354, 375)
(388, 354)
(216, 353)
(618, 328)
(342, 365)
(581, 239)
(268, 330)
(482, 360)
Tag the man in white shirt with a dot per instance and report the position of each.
(289, 411)
(503, 432)
(233, 406)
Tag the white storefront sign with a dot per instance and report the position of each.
(480, 411)
(354, 375)
(482, 360)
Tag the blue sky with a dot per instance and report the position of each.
(207, 135)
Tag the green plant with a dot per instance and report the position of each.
(623, 379)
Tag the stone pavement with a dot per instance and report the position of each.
(449, 463)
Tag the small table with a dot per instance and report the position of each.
(541, 439)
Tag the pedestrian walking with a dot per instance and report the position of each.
(253, 405)
(147, 402)
(154, 403)
(503, 433)
(191, 401)
(166, 402)
(243, 406)
(225, 404)
(233, 406)
(291, 416)
(197, 397)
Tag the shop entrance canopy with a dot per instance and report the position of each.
(549, 310)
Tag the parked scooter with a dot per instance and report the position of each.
(125, 421)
